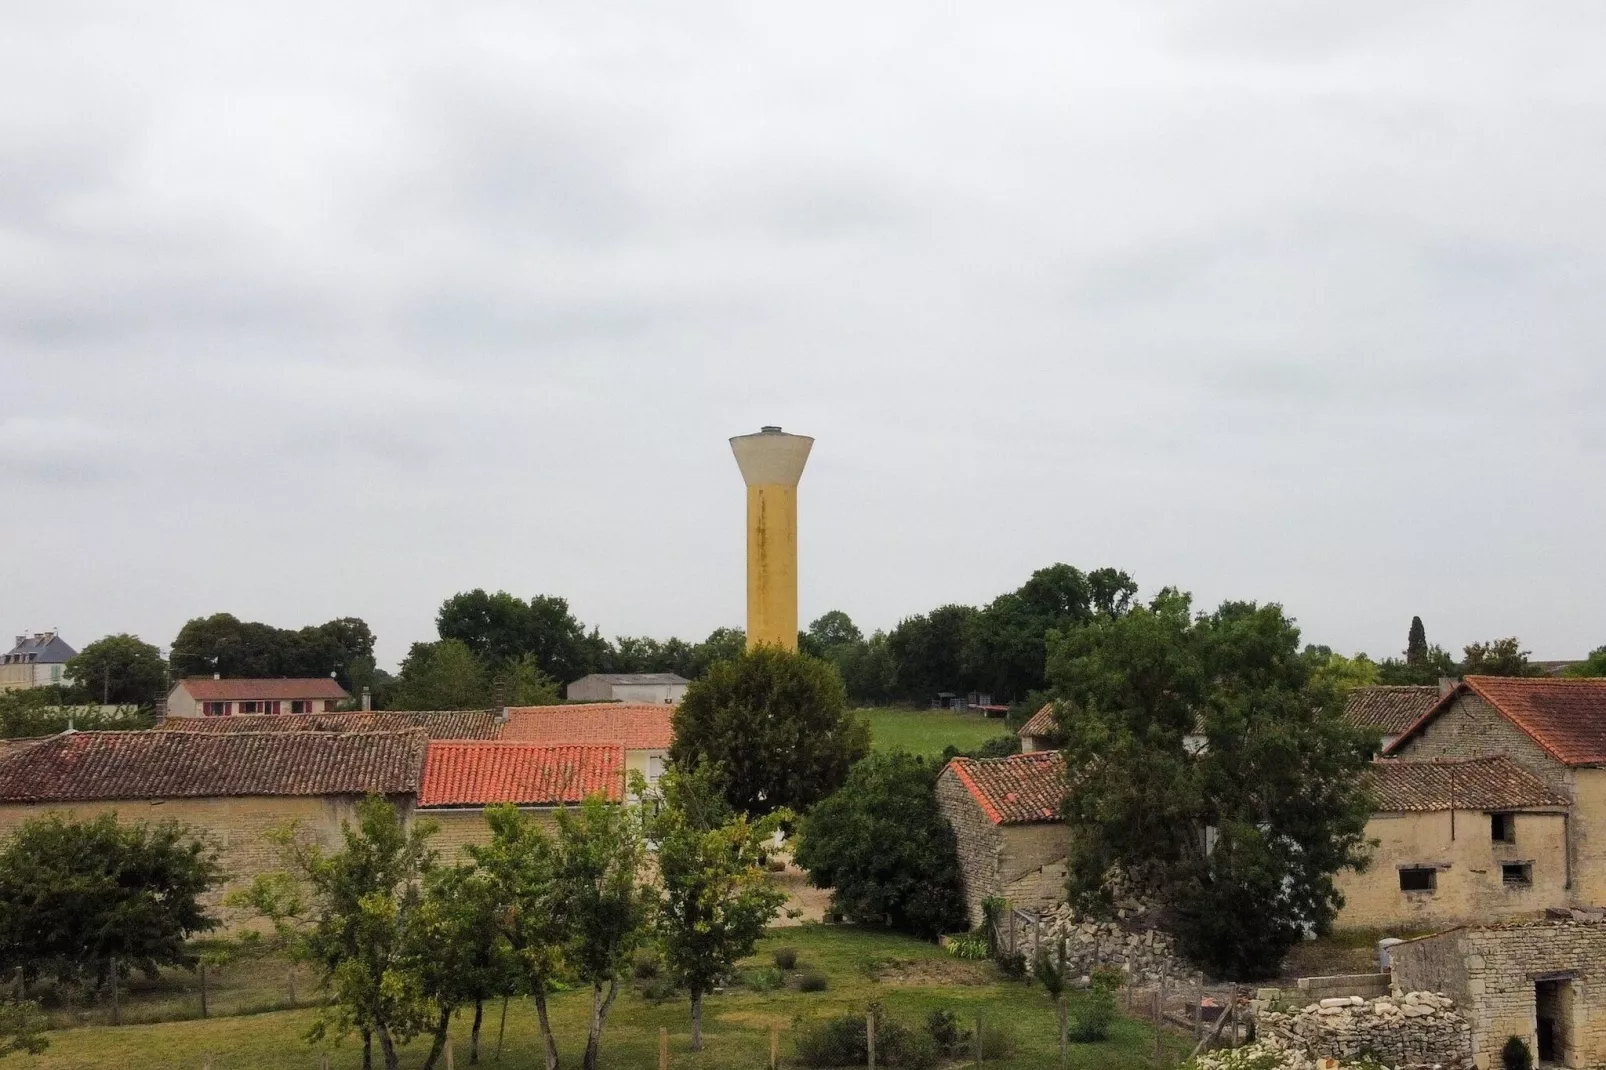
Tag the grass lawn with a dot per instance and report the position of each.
(908, 977)
(929, 731)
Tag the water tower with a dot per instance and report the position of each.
(772, 464)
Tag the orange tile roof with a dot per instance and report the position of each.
(205, 689)
(1565, 717)
(1023, 789)
(483, 772)
(1041, 724)
(633, 726)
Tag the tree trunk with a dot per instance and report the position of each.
(696, 1021)
(1065, 1037)
(367, 1050)
(546, 1026)
(387, 1048)
(438, 1042)
(474, 1034)
(600, 1005)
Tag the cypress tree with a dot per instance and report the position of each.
(1416, 646)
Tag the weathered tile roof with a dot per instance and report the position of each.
(437, 724)
(1492, 782)
(1565, 717)
(1041, 723)
(1390, 709)
(89, 766)
(1022, 789)
(479, 773)
(633, 726)
(636, 678)
(206, 689)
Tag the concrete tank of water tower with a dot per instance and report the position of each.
(772, 464)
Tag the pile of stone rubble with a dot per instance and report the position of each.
(1413, 1029)
(1144, 954)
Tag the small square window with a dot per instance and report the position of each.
(1422, 879)
(1516, 874)
(1503, 828)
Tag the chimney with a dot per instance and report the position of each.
(772, 464)
(1447, 684)
(217, 676)
(367, 699)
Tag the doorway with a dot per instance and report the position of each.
(1553, 1021)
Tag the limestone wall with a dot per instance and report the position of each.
(979, 841)
(1413, 1029)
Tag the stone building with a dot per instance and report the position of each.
(638, 687)
(1556, 729)
(463, 777)
(1005, 813)
(1040, 732)
(37, 660)
(1543, 982)
(1390, 710)
(645, 731)
(1458, 840)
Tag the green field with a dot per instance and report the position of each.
(909, 977)
(929, 731)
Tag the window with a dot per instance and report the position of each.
(216, 709)
(1421, 879)
(1516, 874)
(1503, 828)
(250, 707)
(300, 705)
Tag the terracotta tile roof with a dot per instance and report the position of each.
(437, 724)
(479, 773)
(1022, 789)
(1041, 723)
(1565, 717)
(633, 726)
(85, 766)
(1390, 710)
(205, 689)
(1493, 782)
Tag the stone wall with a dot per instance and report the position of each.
(1471, 728)
(1414, 1029)
(979, 840)
(1141, 952)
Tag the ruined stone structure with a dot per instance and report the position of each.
(1005, 813)
(1411, 1029)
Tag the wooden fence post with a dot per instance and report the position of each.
(449, 1065)
(1159, 1014)
(1198, 1009)
(290, 975)
(323, 1063)
(663, 1047)
(501, 1029)
(117, 1015)
(203, 989)
(775, 1047)
(978, 1042)
(869, 1036)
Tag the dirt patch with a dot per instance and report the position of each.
(808, 902)
(931, 972)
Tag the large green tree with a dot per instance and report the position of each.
(880, 843)
(1498, 657)
(499, 628)
(1416, 643)
(1240, 842)
(776, 725)
(715, 898)
(1003, 650)
(928, 650)
(74, 895)
(120, 670)
(442, 676)
(230, 647)
(1595, 665)
(1421, 665)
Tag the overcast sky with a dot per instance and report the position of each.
(309, 310)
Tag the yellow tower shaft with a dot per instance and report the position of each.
(772, 566)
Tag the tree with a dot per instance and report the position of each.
(76, 894)
(1344, 674)
(722, 644)
(1594, 666)
(364, 898)
(1240, 842)
(442, 676)
(44, 711)
(777, 726)
(1498, 657)
(928, 650)
(884, 848)
(1416, 644)
(225, 645)
(868, 670)
(22, 1028)
(716, 900)
(456, 950)
(521, 864)
(522, 683)
(833, 629)
(600, 850)
(499, 628)
(121, 670)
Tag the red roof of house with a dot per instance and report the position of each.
(1565, 717)
(483, 772)
(87, 766)
(205, 689)
(437, 724)
(1492, 782)
(1023, 789)
(633, 726)
(1041, 724)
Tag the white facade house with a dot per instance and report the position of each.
(37, 660)
(201, 697)
(651, 688)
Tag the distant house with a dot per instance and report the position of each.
(463, 777)
(1459, 841)
(644, 731)
(202, 697)
(1040, 732)
(639, 687)
(1390, 710)
(1005, 813)
(37, 660)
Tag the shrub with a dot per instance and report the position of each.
(970, 946)
(658, 990)
(813, 981)
(785, 958)
(762, 979)
(950, 1038)
(1092, 1015)
(1515, 1055)
(646, 965)
(776, 865)
(997, 1041)
(1013, 965)
(843, 1041)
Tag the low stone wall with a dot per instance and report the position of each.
(1365, 985)
(1415, 1029)
(1143, 954)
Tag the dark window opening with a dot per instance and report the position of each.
(1503, 828)
(1418, 880)
(1516, 873)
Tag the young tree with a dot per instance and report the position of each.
(884, 848)
(364, 899)
(121, 670)
(1241, 841)
(776, 724)
(1053, 974)
(442, 676)
(600, 851)
(457, 952)
(521, 865)
(76, 894)
(522, 683)
(716, 901)
(22, 1028)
